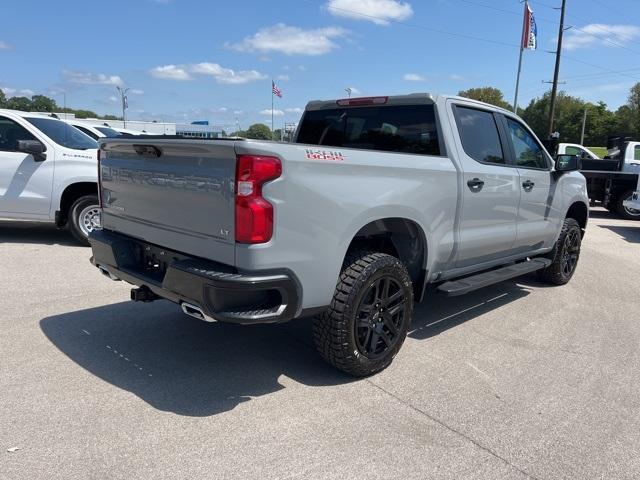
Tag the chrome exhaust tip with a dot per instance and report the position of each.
(107, 273)
(195, 311)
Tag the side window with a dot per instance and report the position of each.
(636, 153)
(528, 153)
(10, 133)
(573, 151)
(479, 135)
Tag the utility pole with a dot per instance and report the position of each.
(584, 123)
(123, 99)
(556, 73)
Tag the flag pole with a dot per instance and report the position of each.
(272, 106)
(522, 40)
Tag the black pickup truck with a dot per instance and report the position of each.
(613, 179)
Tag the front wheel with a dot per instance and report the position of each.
(367, 321)
(626, 212)
(565, 254)
(84, 217)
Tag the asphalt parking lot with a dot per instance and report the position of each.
(519, 380)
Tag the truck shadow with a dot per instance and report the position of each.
(438, 313)
(182, 365)
(178, 364)
(35, 232)
(630, 234)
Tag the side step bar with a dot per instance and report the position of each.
(480, 280)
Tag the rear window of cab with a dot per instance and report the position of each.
(393, 128)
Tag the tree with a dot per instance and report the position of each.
(40, 103)
(3, 100)
(259, 131)
(19, 103)
(488, 95)
(633, 112)
(277, 134)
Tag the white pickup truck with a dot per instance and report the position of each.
(48, 172)
(377, 198)
(576, 149)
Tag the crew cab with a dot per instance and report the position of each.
(48, 172)
(377, 198)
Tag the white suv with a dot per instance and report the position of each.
(48, 172)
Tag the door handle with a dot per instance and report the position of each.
(527, 185)
(475, 185)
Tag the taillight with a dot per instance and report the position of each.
(358, 102)
(254, 215)
(99, 182)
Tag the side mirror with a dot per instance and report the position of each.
(33, 147)
(568, 163)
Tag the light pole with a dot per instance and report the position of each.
(125, 103)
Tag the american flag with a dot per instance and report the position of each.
(275, 90)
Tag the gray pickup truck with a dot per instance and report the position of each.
(376, 198)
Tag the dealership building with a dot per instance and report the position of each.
(199, 129)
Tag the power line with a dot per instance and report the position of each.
(592, 24)
(600, 67)
(553, 22)
(423, 27)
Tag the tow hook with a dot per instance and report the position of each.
(143, 294)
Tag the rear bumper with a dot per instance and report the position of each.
(220, 291)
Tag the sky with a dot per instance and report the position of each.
(187, 60)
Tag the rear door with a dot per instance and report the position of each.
(539, 210)
(490, 187)
(25, 183)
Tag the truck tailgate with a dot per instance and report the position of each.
(175, 193)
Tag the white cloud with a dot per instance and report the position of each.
(87, 78)
(114, 99)
(302, 68)
(413, 77)
(222, 110)
(455, 77)
(380, 12)
(238, 112)
(5, 46)
(284, 78)
(170, 72)
(294, 110)
(17, 92)
(291, 40)
(226, 75)
(219, 73)
(276, 112)
(600, 34)
(136, 91)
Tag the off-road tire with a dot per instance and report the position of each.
(335, 332)
(73, 218)
(557, 273)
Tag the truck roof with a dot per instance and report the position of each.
(408, 99)
(20, 113)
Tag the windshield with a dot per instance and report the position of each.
(109, 132)
(63, 133)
